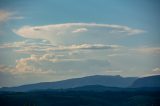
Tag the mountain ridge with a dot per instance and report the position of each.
(105, 80)
(102, 80)
(147, 81)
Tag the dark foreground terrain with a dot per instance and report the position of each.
(80, 98)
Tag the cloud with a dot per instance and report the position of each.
(40, 58)
(58, 63)
(6, 78)
(72, 32)
(43, 56)
(6, 15)
(4, 68)
(148, 50)
(23, 73)
(156, 70)
(84, 47)
(51, 62)
(35, 69)
(80, 30)
(41, 47)
(46, 56)
(113, 71)
(92, 46)
(28, 65)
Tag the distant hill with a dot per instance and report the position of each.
(100, 88)
(96, 88)
(109, 81)
(150, 81)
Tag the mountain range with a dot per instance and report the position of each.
(96, 82)
(150, 81)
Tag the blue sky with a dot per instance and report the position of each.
(49, 40)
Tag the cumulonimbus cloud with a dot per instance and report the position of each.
(68, 32)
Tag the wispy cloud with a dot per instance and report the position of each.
(29, 47)
(80, 30)
(7, 15)
(148, 50)
(45, 58)
(156, 70)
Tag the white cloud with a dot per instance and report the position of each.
(41, 47)
(156, 70)
(148, 50)
(27, 65)
(4, 68)
(84, 47)
(61, 48)
(53, 64)
(23, 73)
(62, 33)
(6, 15)
(113, 71)
(93, 46)
(80, 30)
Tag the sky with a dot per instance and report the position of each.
(51, 40)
